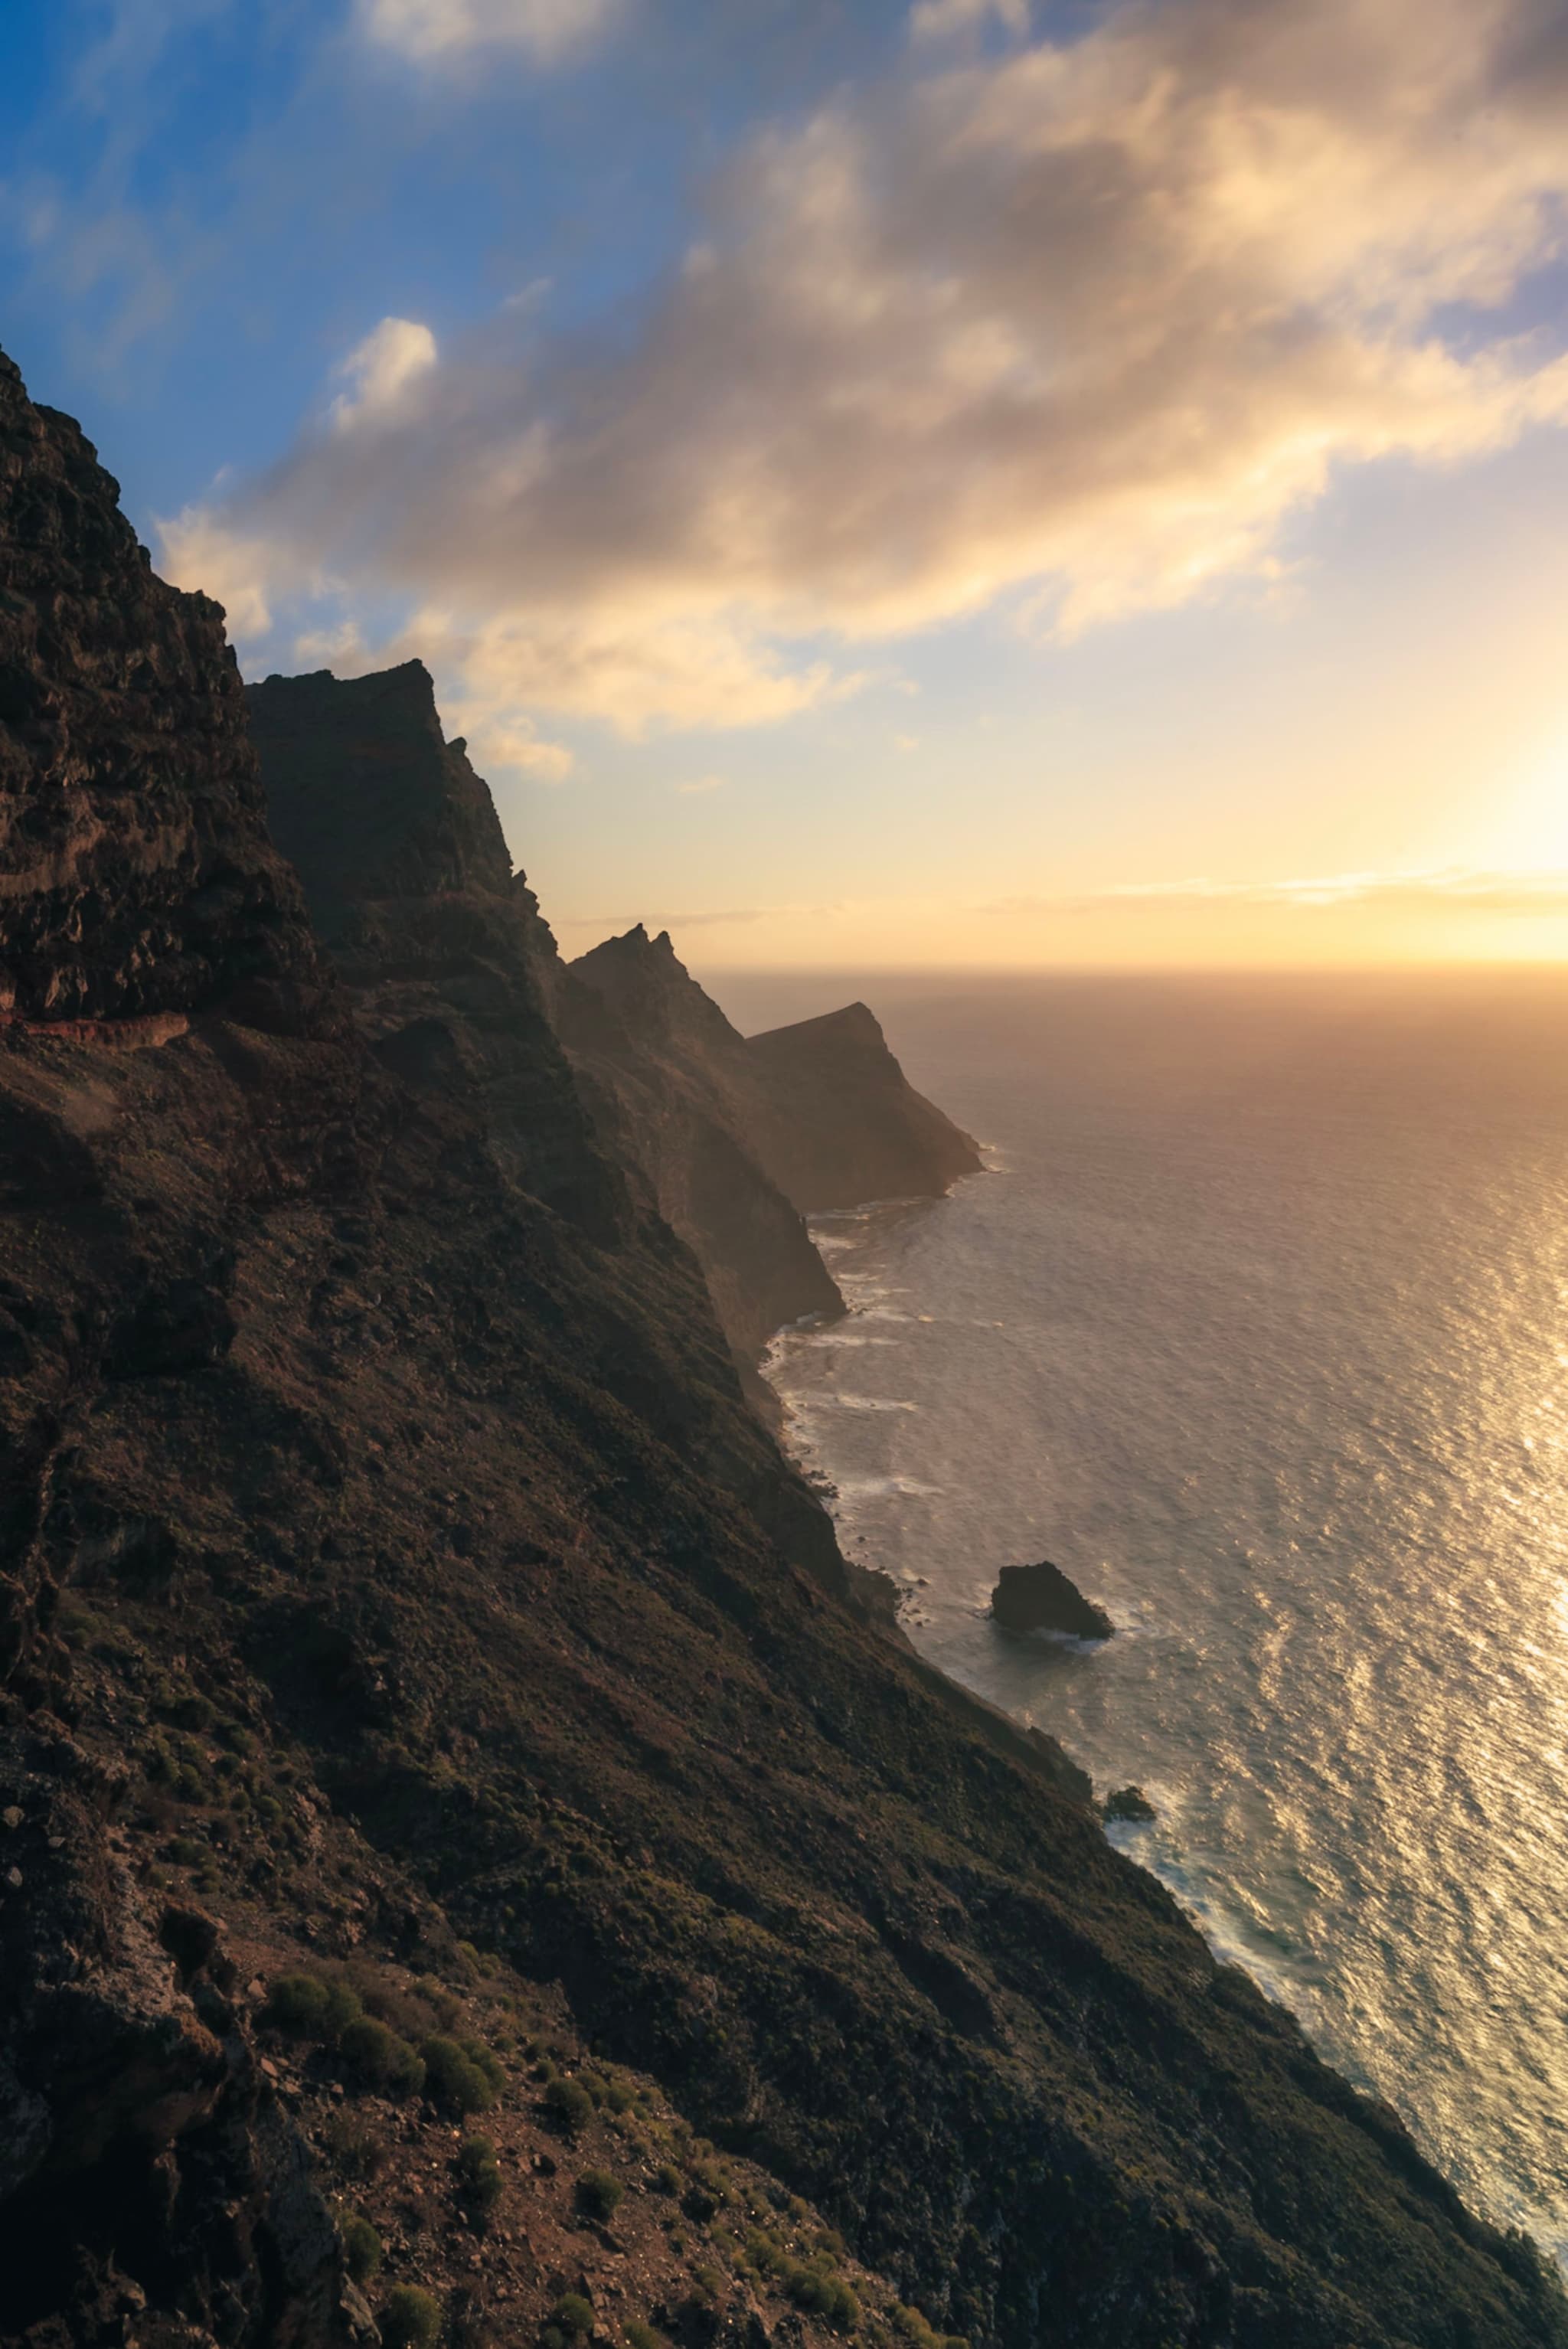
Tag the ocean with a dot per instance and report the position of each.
(1257, 1324)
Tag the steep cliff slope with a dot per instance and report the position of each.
(407, 874)
(822, 1104)
(840, 1120)
(648, 1041)
(382, 1579)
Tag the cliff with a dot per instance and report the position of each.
(743, 1138)
(136, 876)
(842, 1123)
(442, 948)
(429, 1704)
(650, 1045)
(823, 1105)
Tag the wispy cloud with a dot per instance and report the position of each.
(702, 783)
(942, 20)
(441, 30)
(1084, 324)
(1453, 889)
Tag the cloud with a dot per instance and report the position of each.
(703, 783)
(1082, 327)
(547, 31)
(381, 370)
(940, 20)
(1453, 889)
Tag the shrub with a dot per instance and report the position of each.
(479, 2170)
(453, 2076)
(573, 2315)
(568, 2102)
(410, 2319)
(667, 2178)
(843, 2309)
(698, 2203)
(599, 2193)
(361, 2246)
(307, 2008)
(356, 2151)
(380, 2058)
(641, 2335)
(915, 2328)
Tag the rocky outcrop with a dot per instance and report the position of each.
(439, 944)
(824, 1106)
(670, 1074)
(1128, 1807)
(841, 1122)
(403, 1562)
(1042, 1599)
(367, 800)
(742, 1138)
(136, 877)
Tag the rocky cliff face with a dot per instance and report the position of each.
(660, 1055)
(823, 1105)
(842, 1123)
(439, 946)
(400, 1596)
(744, 1138)
(136, 876)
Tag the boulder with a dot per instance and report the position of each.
(1041, 1599)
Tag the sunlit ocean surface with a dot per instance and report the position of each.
(1257, 1325)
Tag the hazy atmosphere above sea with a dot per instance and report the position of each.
(974, 483)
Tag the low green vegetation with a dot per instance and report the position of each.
(305, 2007)
(599, 2193)
(409, 2318)
(912, 2327)
(480, 2171)
(571, 2318)
(379, 2059)
(568, 2104)
(361, 2246)
(462, 2073)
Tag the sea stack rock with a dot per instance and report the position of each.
(1041, 1599)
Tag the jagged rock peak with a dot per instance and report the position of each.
(643, 982)
(368, 798)
(134, 868)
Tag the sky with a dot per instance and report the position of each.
(979, 482)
